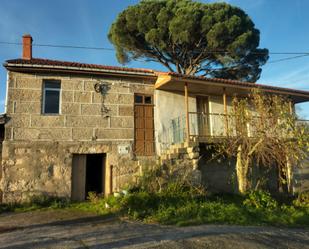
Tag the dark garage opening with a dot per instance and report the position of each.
(95, 173)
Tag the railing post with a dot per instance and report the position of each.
(187, 113)
(225, 112)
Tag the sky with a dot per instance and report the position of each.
(283, 25)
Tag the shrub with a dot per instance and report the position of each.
(139, 205)
(302, 200)
(157, 178)
(44, 201)
(260, 200)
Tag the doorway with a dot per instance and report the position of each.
(94, 173)
(143, 125)
(88, 175)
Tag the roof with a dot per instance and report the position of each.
(175, 82)
(76, 66)
(239, 83)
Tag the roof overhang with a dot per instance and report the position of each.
(18, 67)
(201, 85)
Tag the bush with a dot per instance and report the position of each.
(260, 200)
(302, 200)
(139, 205)
(43, 201)
(157, 178)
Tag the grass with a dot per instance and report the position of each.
(183, 207)
(193, 210)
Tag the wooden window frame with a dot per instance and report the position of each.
(143, 95)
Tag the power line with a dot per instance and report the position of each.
(59, 46)
(288, 58)
(112, 49)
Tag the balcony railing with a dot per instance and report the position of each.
(203, 126)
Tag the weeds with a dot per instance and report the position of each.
(166, 198)
(185, 206)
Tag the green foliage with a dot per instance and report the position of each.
(42, 201)
(302, 200)
(169, 179)
(260, 200)
(190, 37)
(185, 206)
(35, 203)
(140, 204)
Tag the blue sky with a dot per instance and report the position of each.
(283, 25)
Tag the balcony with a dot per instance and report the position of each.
(206, 127)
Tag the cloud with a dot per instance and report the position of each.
(295, 78)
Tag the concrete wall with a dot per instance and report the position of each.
(301, 177)
(219, 174)
(37, 151)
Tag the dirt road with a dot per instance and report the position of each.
(68, 229)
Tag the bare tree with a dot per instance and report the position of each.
(263, 130)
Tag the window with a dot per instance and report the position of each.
(143, 99)
(51, 97)
(148, 99)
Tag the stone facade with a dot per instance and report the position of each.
(38, 148)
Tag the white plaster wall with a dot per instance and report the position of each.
(168, 105)
(216, 107)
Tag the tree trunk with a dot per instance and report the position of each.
(242, 167)
(289, 176)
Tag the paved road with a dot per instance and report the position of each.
(67, 229)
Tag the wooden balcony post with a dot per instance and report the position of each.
(225, 112)
(187, 113)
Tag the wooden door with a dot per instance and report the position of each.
(203, 115)
(144, 125)
(78, 177)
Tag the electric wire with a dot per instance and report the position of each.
(112, 49)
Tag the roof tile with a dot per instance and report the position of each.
(77, 65)
(47, 62)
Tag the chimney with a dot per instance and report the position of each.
(27, 47)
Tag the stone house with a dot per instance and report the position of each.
(70, 128)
